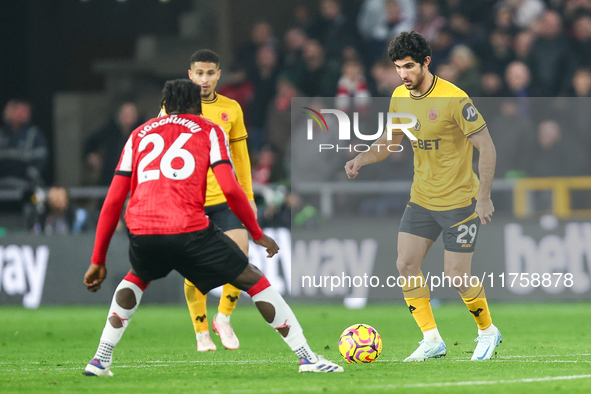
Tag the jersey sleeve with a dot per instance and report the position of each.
(238, 130)
(109, 217)
(240, 157)
(465, 114)
(219, 151)
(125, 161)
(162, 113)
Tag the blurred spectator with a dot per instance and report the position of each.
(279, 116)
(315, 77)
(526, 12)
(301, 14)
(497, 53)
(581, 83)
(332, 29)
(429, 20)
(522, 44)
(503, 19)
(23, 149)
(577, 107)
(582, 40)
(57, 214)
(441, 48)
(264, 80)
(279, 214)
(448, 72)
(492, 85)
(462, 29)
(386, 78)
(554, 154)
(237, 87)
(463, 60)
(379, 21)
(518, 80)
(265, 161)
(261, 35)
(295, 39)
(511, 133)
(551, 61)
(103, 148)
(352, 85)
(572, 8)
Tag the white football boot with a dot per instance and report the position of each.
(322, 365)
(204, 342)
(428, 349)
(226, 333)
(95, 368)
(486, 346)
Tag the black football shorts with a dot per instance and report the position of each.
(207, 258)
(460, 226)
(223, 217)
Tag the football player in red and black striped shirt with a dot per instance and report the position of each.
(164, 168)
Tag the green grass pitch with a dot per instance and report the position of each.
(546, 348)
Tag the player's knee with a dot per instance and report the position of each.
(248, 278)
(126, 298)
(406, 266)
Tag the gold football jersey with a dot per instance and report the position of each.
(443, 176)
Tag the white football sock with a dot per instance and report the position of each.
(491, 330)
(284, 317)
(432, 335)
(111, 335)
(200, 335)
(221, 318)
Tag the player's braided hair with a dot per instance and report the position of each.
(409, 44)
(181, 96)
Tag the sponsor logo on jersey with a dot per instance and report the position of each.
(469, 112)
(426, 144)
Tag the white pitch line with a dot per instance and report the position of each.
(381, 360)
(488, 382)
(158, 364)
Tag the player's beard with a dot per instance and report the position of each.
(419, 81)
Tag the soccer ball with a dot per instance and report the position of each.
(360, 343)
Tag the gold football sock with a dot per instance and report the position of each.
(475, 300)
(196, 301)
(417, 297)
(229, 298)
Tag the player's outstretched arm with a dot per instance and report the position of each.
(107, 224)
(377, 152)
(239, 204)
(486, 169)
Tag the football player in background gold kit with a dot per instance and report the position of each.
(205, 71)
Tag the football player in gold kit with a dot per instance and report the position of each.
(205, 71)
(446, 195)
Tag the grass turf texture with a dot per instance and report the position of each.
(546, 348)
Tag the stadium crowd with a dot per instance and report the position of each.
(504, 51)
(491, 49)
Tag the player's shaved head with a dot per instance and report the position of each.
(205, 56)
(181, 96)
